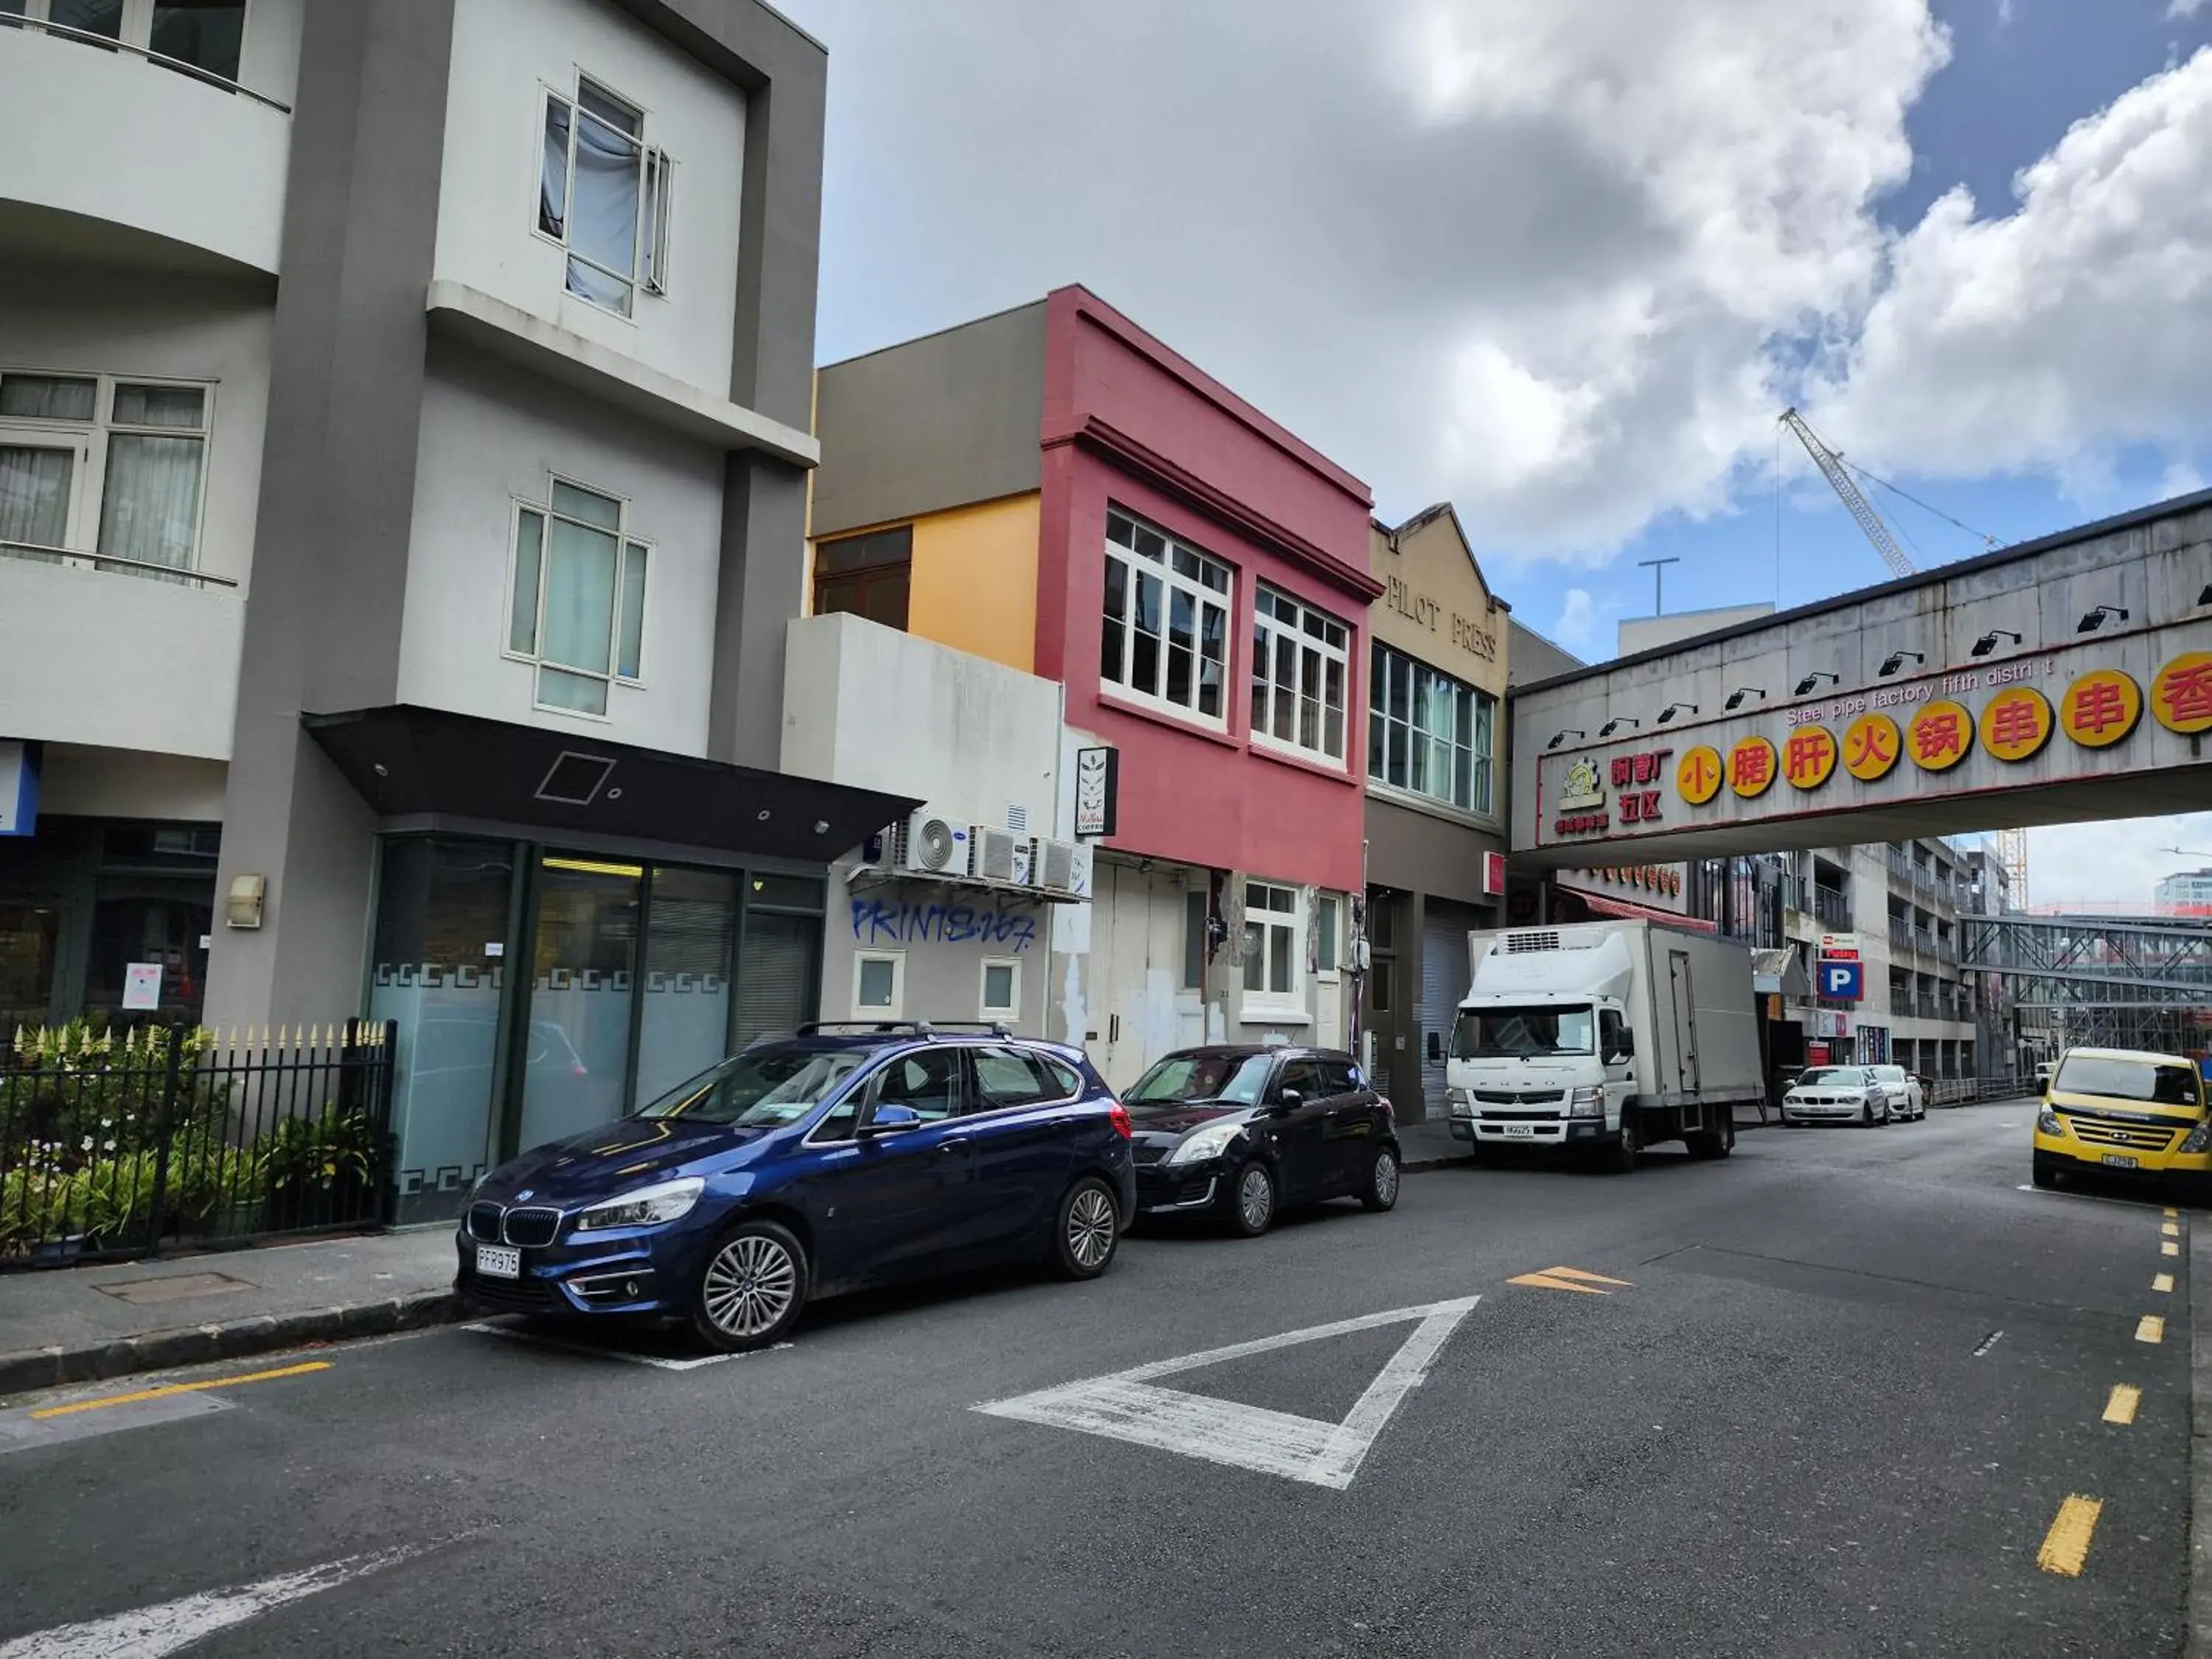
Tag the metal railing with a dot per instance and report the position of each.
(109, 43)
(1832, 906)
(110, 1145)
(39, 553)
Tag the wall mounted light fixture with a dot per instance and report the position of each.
(1558, 738)
(1674, 708)
(1736, 697)
(1988, 642)
(1895, 660)
(2095, 619)
(1617, 722)
(1805, 686)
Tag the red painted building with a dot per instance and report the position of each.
(1198, 580)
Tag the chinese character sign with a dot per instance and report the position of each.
(1872, 745)
(1751, 768)
(2101, 707)
(2181, 695)
(1939, 737)
(1808, 757)
(2016, 723)
(1698, 776)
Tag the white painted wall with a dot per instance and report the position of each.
(114, 138)
(126, 783)
(269, 57)
(506, 54)
(491, 433)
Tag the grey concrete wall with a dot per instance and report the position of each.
(762, 577)
(323, 614)
(1529, 657)
(1421, 852)
(940, 422)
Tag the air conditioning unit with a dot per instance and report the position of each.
(932, 846)
(1064, 866)
(997, 851)
(1025, 861)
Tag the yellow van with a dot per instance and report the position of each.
(2123, 1109)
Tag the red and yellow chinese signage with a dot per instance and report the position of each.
(1751, 768)
(1872, 745)
(2100, 707)
(2181, 695)
(1939, 736)
(1698, 777)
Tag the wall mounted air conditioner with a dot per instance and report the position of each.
(1025, 861)
(933, 845)
(1064, 867)
(997, 851)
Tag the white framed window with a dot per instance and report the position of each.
(605, 196)
(879, 985)
(576, 596)
(1272, 952)
(1328, 936)
(1163, 638)
(1428, 733)
(1298, 657)
(104, 463)
(204, 35)
(1001, 987)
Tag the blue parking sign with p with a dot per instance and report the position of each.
(1842, 981)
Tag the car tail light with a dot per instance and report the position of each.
(1388, 1110)
(1118, 1115)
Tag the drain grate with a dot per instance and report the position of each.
(173, 1287)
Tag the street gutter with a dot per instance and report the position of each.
(26, 1370)
(2199, 1643)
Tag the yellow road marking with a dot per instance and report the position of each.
(181, 1387)
(2066, 1545)
(1587, 1278)
(2150, 1328)
(2121, 1407)
(2163, 1284)
(1545, 1281)
(2169, 1229)
(2171, 1247)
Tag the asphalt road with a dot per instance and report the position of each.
(1835, 1406)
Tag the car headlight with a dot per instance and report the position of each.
(2199, 1139)
(1586, 1103)
(1209, 1142)
(1462, 1102)
(2048, 1121)
(648, 1207)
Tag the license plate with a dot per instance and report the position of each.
(504, 1261)
(2113, 1160)
(1521, 1131)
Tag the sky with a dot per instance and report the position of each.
(1563, 262)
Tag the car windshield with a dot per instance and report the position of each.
(1833, 1077)
(1234, 1078)
(1522, 1033)
(2128, 1079)
(761, 1087)
(1889, 1074)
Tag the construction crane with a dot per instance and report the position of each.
(1830, 463)
(2012, 853)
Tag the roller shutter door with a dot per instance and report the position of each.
(1445, 928)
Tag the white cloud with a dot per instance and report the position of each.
(2181, 9)
(2050, 338)
(2117, 863)
(2004, 11)
(1577, 627)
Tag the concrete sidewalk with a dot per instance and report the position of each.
(80, 1324)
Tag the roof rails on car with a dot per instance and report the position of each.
(923, 1028)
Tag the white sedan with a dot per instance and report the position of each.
(1906, 1099)
(1836, 1094)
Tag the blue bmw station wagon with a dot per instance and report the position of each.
(839, 1158)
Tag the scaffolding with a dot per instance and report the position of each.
(2103, 981)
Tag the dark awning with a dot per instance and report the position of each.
(407, 761)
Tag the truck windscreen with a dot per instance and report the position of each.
(1522, 1033)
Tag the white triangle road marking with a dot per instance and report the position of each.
(1125, 1406)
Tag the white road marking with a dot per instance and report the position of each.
(151, 1633)
(653, 1360)
(1988, 1342)
(1125, 1405)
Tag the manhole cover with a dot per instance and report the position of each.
(177, 1287)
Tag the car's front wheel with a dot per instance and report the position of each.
(1252, 1200)
(1380, 1192)
(752, 1288)
(1086, 1230)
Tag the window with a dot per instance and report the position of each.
(605, 194)
(1002, 989)
(868, 575)
(1271, 938)
(1305, 1076)
(89, 461)
(1427, 733)
(1297, 677)
(576, 605)
(1327, 909)
(205, 34)
(1010, 1077)
(1378, 980)
(1195, 911)
(879, 985)
(927, 1082)
(1164, 639)
(1339, 1077)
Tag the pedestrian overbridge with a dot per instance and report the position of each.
(2064, 680)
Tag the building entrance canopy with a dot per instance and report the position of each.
(2064, 680)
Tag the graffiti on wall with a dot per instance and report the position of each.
(904, 921)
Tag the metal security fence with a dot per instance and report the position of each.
(117, 1145)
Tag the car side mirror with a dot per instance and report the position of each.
(1289, 1100)
(889, 1120)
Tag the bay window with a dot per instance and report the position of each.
(576, 602)
(604, 194)
(1427, 733)
(1299, 675)
(1164, 637)
(95, 462)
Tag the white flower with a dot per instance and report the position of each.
(85, 1145)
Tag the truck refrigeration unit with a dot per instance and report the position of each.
(1606, 1037)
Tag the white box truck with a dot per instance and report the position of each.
(1605, 1037)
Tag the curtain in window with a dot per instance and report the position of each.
(553, 174)
(34, 493)
(603, 215)
(579, 597)
(150, 510)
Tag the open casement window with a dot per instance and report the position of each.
(1272, 956)
(576, 605)
(1164, 637)
(1298, 677)
(93, 462)
(605, 194)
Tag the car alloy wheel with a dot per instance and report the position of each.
(1382, 1192)
(752, 1288)
(1088, 1229)
(1255, 1200)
